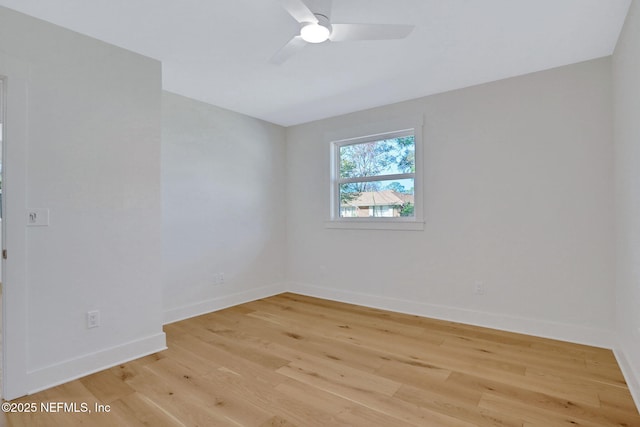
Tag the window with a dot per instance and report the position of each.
(374, 180)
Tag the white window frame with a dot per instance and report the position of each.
(369, 133)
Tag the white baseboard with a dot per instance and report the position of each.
(219, 303)
(631, 376)
(541, 328)
(72, 369)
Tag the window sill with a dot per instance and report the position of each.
(375, 225)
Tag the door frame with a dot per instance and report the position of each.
(15, 337)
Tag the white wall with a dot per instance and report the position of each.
(93, 159)
(626, 78)
(519, 194)
(223, 198)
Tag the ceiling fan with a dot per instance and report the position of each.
(315, 27)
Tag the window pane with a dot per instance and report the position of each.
(377, 199)
(375, 158)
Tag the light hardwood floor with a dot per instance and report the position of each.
(292, 360)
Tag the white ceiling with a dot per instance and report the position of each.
(217, 51)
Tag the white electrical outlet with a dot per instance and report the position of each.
(478, 288)
(93, 319)
(218, 279)
(322, 271)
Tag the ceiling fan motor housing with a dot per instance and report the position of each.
(316, 32)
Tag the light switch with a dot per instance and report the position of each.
(38, 217)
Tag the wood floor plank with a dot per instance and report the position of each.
(294, 360)
(334, 372)
(226, 338)
(336, 317)
(343, 411)
(176, 402)
(374, 401)
(132, 368)
(550, 411)
(457, 406)
(295, 340)
(210, 394)
(551, 362)
(269, 395)
(106, 386)
(617, 398)
(140, 410)
(278, 421)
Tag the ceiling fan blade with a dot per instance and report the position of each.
(299, 10)
(348, 32)
(288, 50)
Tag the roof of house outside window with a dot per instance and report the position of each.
(380, 198)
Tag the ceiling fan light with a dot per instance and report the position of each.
(314, 33)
